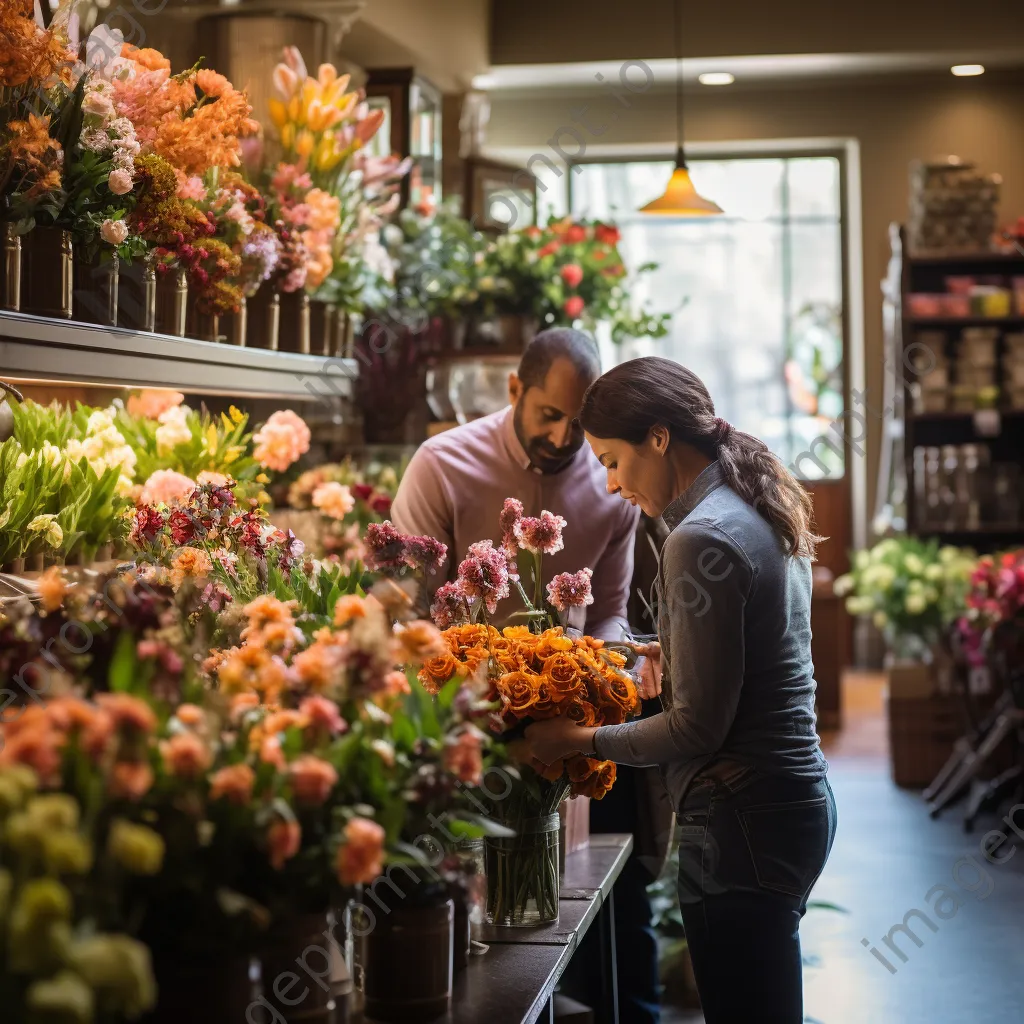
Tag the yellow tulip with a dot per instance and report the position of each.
(211, 438)
(278, 112)
(230, 454)
(310, 92)
(326, 74)
(304, 143)
(288, 135)
(327, 157)
(236, 415)
(294, 108)
(321, 116)
(334, 92)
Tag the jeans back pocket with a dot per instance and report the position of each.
(789, 843)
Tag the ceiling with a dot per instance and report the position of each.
(776, 69)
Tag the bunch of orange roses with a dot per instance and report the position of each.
(532, 676)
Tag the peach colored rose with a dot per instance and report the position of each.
(419, 641)
(151, 404)
(242, 704)
(119, 182)
(283, 841)
(281, 441)
(166, 487)
(114, 232)
(185, 755)
(128, 712)
(361, 857)
(334, 500)
(322, 715)
(189, 563)
(51, 589)
(130, 780)
(464, 759)
(191, 715)
(312, 779)
(271, 753)
(348, 608)
(37, 748)
(233, 783)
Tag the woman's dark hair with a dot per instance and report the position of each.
(638, 395)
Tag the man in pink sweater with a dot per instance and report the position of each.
(534, 450)
(457, 481)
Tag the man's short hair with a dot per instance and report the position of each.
(559, 343)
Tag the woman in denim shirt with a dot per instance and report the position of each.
(736, 740)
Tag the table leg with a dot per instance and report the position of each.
(608, 1011)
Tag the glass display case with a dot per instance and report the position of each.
(412, 127)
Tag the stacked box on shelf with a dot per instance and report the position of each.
(952, 206)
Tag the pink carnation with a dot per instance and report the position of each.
(281, 441)
(449, 607)
(422, 553)
(540, 535)
(484, 575)
(571, 590)
(511, 513)
(166, 487)
(385, 545)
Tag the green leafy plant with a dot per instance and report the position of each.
(912, 589)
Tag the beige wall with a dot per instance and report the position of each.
(446, 40)
(544, 31)
(894, 122)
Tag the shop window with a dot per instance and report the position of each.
(757, 293)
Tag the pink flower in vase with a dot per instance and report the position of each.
(450, 606)
(484, 575)
(571, 590)
(541, 534)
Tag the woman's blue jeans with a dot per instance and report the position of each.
(751, 848)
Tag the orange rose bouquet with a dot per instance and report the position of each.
(526, 672)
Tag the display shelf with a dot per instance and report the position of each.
(979, 258)
(64, 351)
(965, 321)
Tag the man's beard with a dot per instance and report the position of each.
(542, 455)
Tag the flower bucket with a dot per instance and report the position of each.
(136, 296)
(171, 302)
(324, 323)
(209, 991)
(305, 939)
(415, 937)
(47, 268)
(228, 328)
(294, 330)
(10, 268)
(522, 874)
(96, 291)
(264, 318)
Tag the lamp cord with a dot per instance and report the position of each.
(678, 12)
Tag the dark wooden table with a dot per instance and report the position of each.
(513, 982)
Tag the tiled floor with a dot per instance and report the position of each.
(887, 857)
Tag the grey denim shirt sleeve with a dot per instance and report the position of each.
(705, 581)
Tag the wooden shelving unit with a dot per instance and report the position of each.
(940, 428)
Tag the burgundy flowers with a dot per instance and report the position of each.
(390, 549)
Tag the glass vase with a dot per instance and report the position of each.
(522, 874)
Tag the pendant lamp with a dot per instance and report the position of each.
(680, 198)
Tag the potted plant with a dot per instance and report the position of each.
(913, 590)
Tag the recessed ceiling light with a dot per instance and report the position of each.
(967, 70)
(716, 78)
